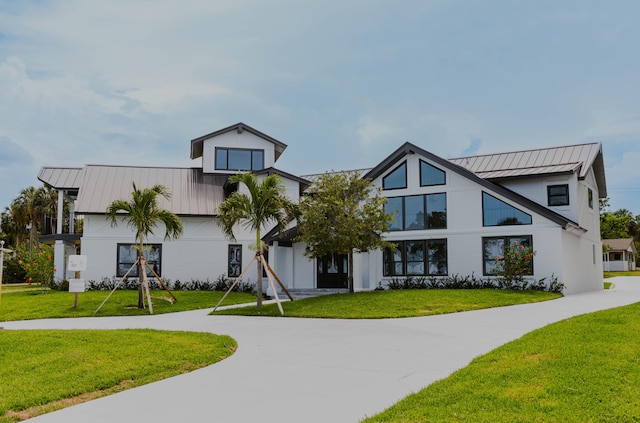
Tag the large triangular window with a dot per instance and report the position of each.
(498, 213)
(431, 175)
(397, 178)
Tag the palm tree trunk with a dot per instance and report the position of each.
(259, 282)
(141, 269)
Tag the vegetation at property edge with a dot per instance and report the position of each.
(18, 304)
(584, 369)
(396, 303)
(45, 370)
(614, 274)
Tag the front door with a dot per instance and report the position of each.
(333, 271)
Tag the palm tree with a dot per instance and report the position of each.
(143, 215)
(26, 211)
(265, 204)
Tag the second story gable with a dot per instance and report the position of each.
(236, 148)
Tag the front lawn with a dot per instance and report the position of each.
(45, 370)
(33, 304)
(395, 303)
(613, 274)
(584, 369)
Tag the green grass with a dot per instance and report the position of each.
(584, 369)
(45, 370)
(33, 304)
(395, 303)
(607, 285)
(613, 274)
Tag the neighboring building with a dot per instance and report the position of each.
(619, 255)
(452, 216)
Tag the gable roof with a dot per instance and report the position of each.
(197, 143)
(543, 161)
(408, 148)
(193, 192)
(620, 244)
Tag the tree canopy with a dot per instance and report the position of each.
(343, 213)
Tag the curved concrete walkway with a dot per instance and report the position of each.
(313, 370)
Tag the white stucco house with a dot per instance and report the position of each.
(452, 216)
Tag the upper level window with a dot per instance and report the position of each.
(590, 197)
(397, 178)
(239, 159)
(430, 175)
(558, 195)
(418, 212)
(498, 213)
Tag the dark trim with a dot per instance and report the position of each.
(435, 167)
(502, 201)
(505, 238)
(393, 171)
(401, 246)
(273, 170)
(408, 148)
(235, 271)
(52, 238)
(549, 196)
(228, 149)
(135, 274)
(426, 212)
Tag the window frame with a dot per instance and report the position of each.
(128, 264)
(506, 239)
(226, 150)
(426, 261)
(444, 175)
(427, 218)
(553, 198)
(384, 178)
(590, 198)
(234, 270)
(484, 218)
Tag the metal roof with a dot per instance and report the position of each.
(192, 192)
(566, 159)
(61, 178)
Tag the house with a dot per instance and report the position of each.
(452, 217)
(619, 255)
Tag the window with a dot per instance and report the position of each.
(397, 178)
(558, 195)
(239, 159)
(430, 175)
(418, 212)
(493, 248)
(127, 256)
(590, 197)
(235, 261)
(416, 258)
(498, 213)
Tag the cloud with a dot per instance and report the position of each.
(12, 155)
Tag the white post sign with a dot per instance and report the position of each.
(77, 264)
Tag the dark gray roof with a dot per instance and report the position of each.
(409, 148)
(543, 161)
(620, 244)
(197, 143)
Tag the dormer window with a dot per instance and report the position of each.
(239, 159)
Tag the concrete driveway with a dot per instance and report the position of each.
(314, 370)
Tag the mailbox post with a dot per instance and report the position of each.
(77, 264)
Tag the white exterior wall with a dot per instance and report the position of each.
(200, 254)
(232, 139)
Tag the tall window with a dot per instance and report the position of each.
(498, 213)
(419, 258)
(397, 178)
(127, 256)
(239, 159)
(558, 195)
(493, 247)
(430, 175)
(235, 261)
(417, 212)
(590, 197)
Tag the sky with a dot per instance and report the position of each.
(342, 83)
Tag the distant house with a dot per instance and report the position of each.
(619, 255)
(452, 217)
